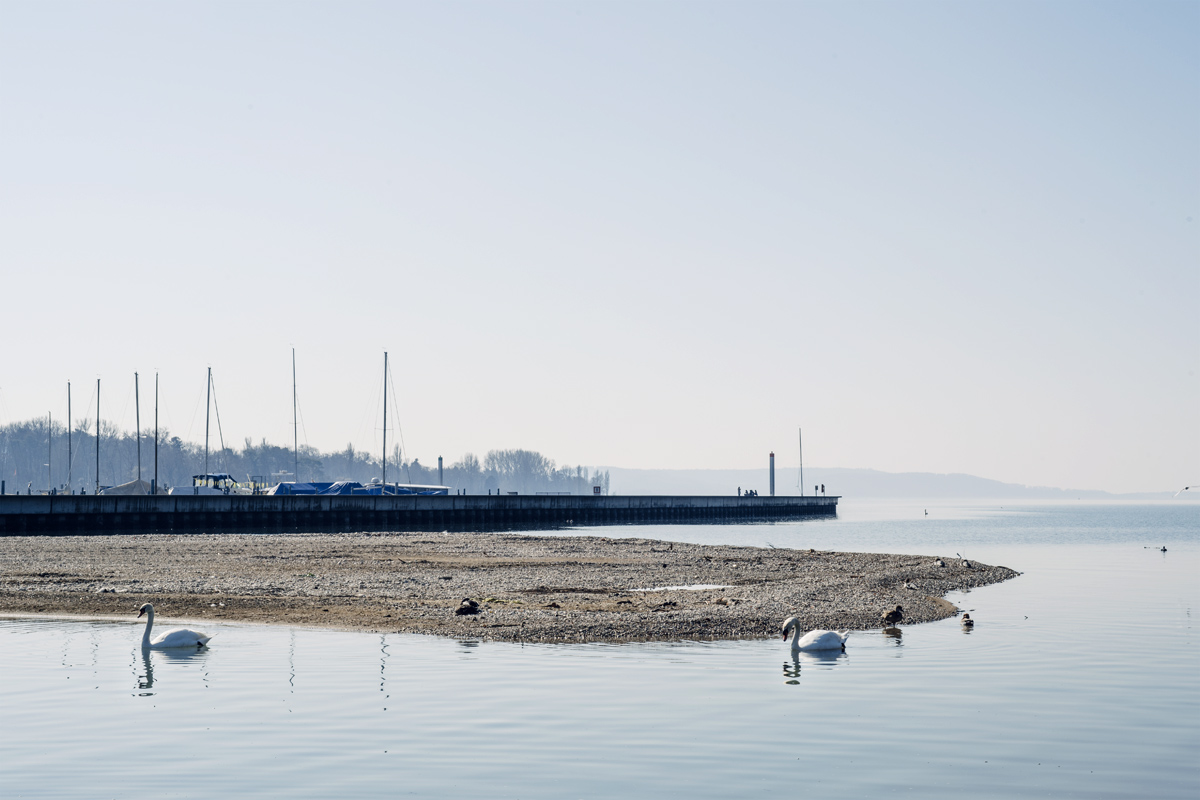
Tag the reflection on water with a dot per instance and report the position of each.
(822, 657)
(895, 634)
(816, 659)
(146, 679)
(167, 658)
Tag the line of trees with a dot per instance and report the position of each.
(36, 457)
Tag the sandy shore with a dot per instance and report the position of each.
(530, 588)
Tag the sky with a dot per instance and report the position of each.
(936, 237)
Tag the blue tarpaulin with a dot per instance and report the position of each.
(341, 487)
(354, 487)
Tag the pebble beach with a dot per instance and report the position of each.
(526, 587)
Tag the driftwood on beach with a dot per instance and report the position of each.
(528, 588)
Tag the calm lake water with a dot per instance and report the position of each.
(1081, 679)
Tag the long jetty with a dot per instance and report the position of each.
(99, 514)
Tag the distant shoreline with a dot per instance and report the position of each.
(530, 588)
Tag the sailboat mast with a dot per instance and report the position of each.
(155, 488)
(49, 451)
(800, 431)
(295, 425)
(385, 385)
(207, 408)
(70, 455)
(137, 417)
(97, 436)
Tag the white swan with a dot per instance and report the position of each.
(814, 640)
(177, 637)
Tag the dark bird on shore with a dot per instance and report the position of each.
(967, 622)
(467, 606)
(894, 616)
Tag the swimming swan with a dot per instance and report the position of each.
(178, 637)
(814, 640)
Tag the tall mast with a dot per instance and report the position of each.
(385, 420)
(137, 417)
(97, 436)
(155, 489)
(295, 425)
(49, 451)
(800, 431)
(207, 407)
(70, 455)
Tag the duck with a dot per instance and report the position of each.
(967, 622)
(814, 640)
(467, 606)
(894, 616)
(176, 637)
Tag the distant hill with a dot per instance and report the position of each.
(862, 483)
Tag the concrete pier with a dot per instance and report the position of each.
(92, 514)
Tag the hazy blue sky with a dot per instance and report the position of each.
(946, 237)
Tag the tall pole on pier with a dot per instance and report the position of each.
(801, 433)
(385, 387)
(49, 451)
(295, 425)
(137, 417)
(207, 408)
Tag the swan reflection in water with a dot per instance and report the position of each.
(820, 659)
(175, 655)
(146, 679)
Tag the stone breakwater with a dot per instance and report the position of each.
(529, 588)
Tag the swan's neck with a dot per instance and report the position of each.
(795, 635)
(149, 625)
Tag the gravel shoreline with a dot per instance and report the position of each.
(529, 588)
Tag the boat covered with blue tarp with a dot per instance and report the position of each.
(355, 488)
